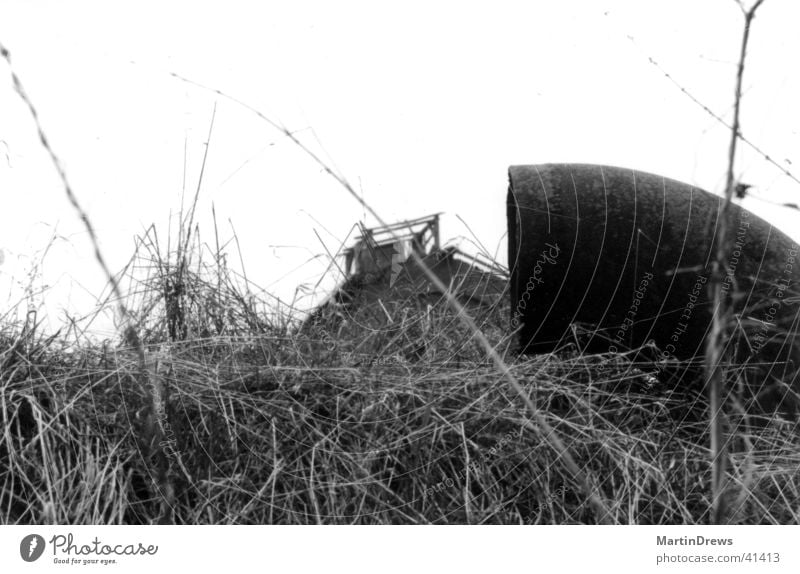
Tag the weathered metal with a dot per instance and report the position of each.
(380, 273)
(612, 258)
(378, 248)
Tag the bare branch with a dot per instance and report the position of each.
(715, 342)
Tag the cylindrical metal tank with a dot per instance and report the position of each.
(612, 258)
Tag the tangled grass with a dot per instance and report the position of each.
(383, 414)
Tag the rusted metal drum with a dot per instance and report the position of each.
(612, 258)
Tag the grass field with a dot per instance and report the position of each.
(388, 413)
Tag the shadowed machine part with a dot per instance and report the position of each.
(381, 260)
(613, 258)
(380, 272)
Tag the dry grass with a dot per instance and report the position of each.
(210, 410)
(379, 414)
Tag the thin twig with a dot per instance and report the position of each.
(130, 328)
(715, 342)
(768, 158)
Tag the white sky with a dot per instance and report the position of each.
(421, 105)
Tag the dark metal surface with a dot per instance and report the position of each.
(623, 257)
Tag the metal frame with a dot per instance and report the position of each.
(423, 232)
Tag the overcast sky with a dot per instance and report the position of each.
(422, 106)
